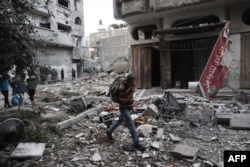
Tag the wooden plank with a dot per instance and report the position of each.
(136, 65)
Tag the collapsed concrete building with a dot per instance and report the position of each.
(60, 25)
(171, 41)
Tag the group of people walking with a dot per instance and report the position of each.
(19, 88)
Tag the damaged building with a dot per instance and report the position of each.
(60, 26)
(111, 48)
(171, 41)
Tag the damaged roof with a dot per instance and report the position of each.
(189, 29)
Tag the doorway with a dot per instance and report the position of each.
(146, 65)
(188, 60)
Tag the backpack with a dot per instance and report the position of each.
(113, 88)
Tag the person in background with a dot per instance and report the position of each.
(62, 74)
(4, 88)
(73, 74)
(31, 86)
(125, 100)
(20, 88)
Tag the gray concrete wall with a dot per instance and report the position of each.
(113, 47)
(233, 78)
(57, 58)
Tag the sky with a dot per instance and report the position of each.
(95, 10)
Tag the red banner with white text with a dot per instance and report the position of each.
(217, 66)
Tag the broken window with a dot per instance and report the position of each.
(45, 25)
(78, 21)
(145, 32)
(64, 3)
(63, 27)
(245, 16)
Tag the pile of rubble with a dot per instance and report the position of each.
(179, 129)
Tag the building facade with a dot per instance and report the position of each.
(60, 28)
(171, 40)
(111, 47)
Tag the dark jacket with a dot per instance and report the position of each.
(19, 87)
(31, 83)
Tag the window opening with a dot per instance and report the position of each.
(64, 28)
(246, 16)
(145, 32)
(78, 21)
(64, 3)
(45, 25)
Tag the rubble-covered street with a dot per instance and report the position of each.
(178, 128)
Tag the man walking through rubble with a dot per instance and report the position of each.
(125, 99)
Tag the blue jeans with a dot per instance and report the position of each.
(125, 115)
(20, 99)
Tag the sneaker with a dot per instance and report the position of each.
(139, 147)
(109, 135)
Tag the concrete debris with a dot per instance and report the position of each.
(185, 152)
(174, 138)
(96, 157)
(145, 130)
(240, 121)
(28, 150)
(78, 105)
(177, 127)
(152, 110)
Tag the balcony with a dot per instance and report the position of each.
(54, 37)
(163, 5)
(137, 7)
(40, 9)
(64, 38)
(45, 34)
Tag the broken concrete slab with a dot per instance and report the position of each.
(28, 150)
(174, 138)
(240, 121)
(145, 130)
(72, 121)
(185, 152)
(152, 110)
(51, 114)
(223, 118)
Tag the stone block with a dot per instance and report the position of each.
(28, 150)
(240, 121)
(185, 152)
